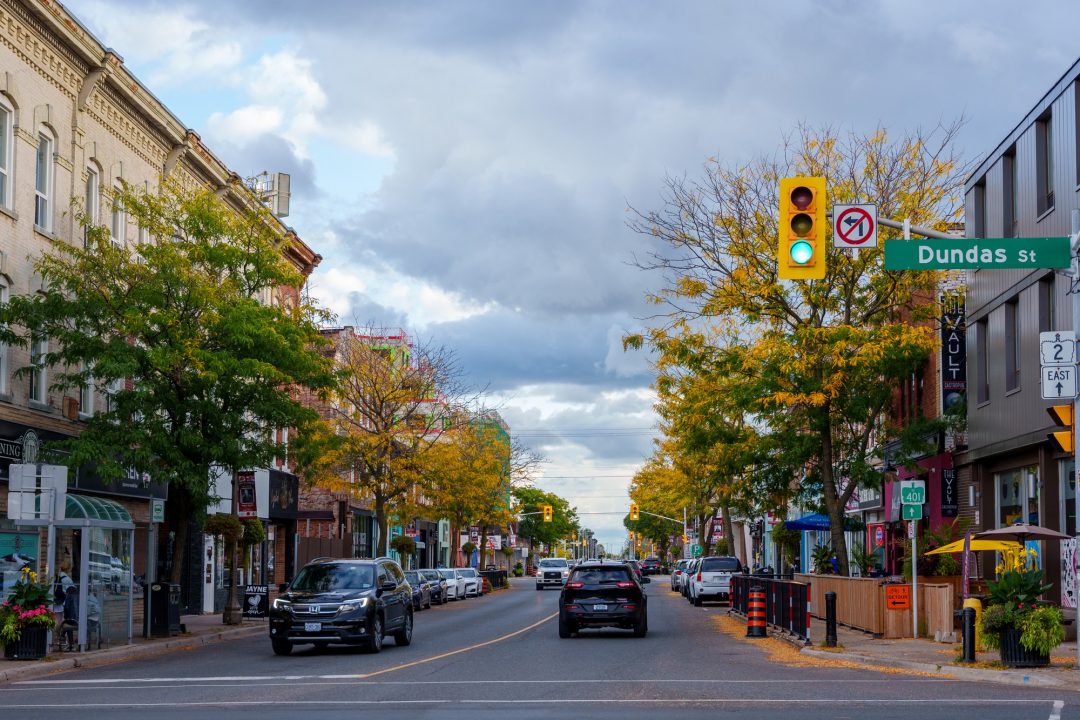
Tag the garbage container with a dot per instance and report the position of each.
(163, 609)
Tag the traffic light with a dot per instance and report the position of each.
(801, 246)
(634, 514)
(1063, 416)
(685, 539)
(547, 513)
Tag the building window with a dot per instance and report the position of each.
(978, 210)
(118, 227)
(111, 393)
(86, 396)
(1044, 162)
(43, 183)
(39, 346)
(1012, 345)
(4, 350)
(1008, 193)
(1067, 473)
(6, 145)
(93, 201)
(982, 382)
(1047, 316)
(1017, 496)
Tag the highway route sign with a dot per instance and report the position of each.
(911, 512)
(1058, 382)
(912, 492)
(855, 226)
(1057, 347)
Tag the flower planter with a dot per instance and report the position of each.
(31, 645)
(1013, 654)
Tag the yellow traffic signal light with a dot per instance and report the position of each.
(634, 514)
(547, 513)
(1063, 416)
(685, 539)
(803, 229)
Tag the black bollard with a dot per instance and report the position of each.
(969, 635)
(830, 619)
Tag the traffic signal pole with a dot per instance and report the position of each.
(1074, 271)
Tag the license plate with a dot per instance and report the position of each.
(312, 627)
(599, 607)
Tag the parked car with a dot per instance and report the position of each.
(455, 583)
(552, 572)
(636, 567)
(677, 573)
(712, 578)
(350, 602)
(650, 565)
(603, 594)
(421, 590)
(474, 583)
(684, 586)
(437, 583)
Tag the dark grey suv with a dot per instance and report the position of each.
(351, 602)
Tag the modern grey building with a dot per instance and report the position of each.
(1025, 187)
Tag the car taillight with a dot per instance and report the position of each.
(575, 585)
(630, 607)
(624, 584)
(699, 577)
(573, 607)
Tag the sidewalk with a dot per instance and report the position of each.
(941, 658)
(200, 630)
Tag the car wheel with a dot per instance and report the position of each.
(697, 601)
(281, 647)
(641, 626)
(375, 641)
(404, 636)
(565, 628)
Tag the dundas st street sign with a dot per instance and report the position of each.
(977, 253)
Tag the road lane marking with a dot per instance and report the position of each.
(360, 676)
(1055, 714)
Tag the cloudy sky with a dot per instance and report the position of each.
(465, 168)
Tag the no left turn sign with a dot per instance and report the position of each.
(854, 226)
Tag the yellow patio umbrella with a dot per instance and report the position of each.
(958, 546)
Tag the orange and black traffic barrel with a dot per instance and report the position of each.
(755, 613)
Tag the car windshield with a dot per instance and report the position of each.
(468, 572)
(333, 577)
(720, 565)
(553, 562)
(448, 574)
(412, 577)
(600, 576)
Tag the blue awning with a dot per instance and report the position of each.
(813, 521)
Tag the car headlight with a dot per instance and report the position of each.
(282, 604)
(566, 573)
(352, 606)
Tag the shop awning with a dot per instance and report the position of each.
(817, 521)
(86, 507)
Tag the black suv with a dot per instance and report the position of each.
(352, 602)
(603, 594)
(650, 565)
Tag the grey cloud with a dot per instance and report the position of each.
(273, 154)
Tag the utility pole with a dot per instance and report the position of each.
(1074, 270)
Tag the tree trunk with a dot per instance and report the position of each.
(181, 506)
(381, 522)
(483, 546)
(729, 534)
(833, 502)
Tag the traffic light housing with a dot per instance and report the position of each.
(634, 514)
(547, 513)
(803, 229)
(1063, 416)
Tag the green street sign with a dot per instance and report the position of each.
(911, 512)
(984, 253)
(696, 550)
(912, 492)
(157, 511)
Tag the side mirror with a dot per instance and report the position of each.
(388, 586)
(283, 587)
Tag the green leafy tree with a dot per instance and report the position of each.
(196, 367)
(564, 521)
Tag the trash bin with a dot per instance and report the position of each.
(163, 608)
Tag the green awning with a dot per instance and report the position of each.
(79, 507)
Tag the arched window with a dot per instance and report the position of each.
(86, 396)
(118, 227)
(92, 201)
(39, 379)
(4, 369)
(7, 145)
(44, 174)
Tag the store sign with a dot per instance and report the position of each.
(256, 601)
(876, 533)
(953, 349)
(950, 503)
(246, 504)
(284, 494)
(898, 597)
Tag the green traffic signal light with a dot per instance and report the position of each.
(801, 252)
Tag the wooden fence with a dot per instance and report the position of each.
(860, 604)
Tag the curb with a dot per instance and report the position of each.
(25, 670)
(960, 673)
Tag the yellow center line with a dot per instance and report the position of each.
(433, 658)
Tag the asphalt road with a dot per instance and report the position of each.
(500, 657)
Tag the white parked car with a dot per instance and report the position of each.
(552, 572)
(712, 579)
(677, 573)
(474, 584)
(455, 583)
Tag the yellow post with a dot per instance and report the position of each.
(977, 604)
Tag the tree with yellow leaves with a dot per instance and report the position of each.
(815, 362)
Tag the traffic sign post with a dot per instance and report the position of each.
(911, 512)
(855, 226)
(977, 253)
(1057, 356)
(1058, 382)
(912, 497)
(912, 492)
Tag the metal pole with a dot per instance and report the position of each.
(969, 635)
(915, 578)
(830, 619)
(1075, 273)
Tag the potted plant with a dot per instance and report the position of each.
(1023, 629)
(519, 569)
(26, 618)
(403, 545)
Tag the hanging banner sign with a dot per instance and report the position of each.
(246, 506)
